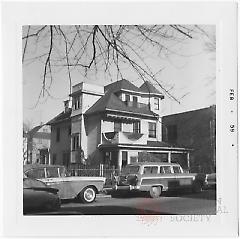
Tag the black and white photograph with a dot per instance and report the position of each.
(122, 117)
(123, 120)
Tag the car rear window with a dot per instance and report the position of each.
(167, 169)
(176, 169)
(36, 173)
(150, 170)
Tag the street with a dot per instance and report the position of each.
(168, 204)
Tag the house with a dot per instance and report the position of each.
(61, 136)
(113, 125)
(194, 129)
(37, 145)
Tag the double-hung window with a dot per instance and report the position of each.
(136, 127)
(156, 104)
(75, 142)
(152, 129)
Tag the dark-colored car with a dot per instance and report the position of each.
(210, 181)
(38, 196)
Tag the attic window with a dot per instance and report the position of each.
(77, 102)
(127, 98)
(156, 103)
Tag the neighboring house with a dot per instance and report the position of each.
(113, 125)
(37, 145)
(61, 137)
(195, 129)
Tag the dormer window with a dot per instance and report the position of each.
(156, 104)
(127, 98)
(135, 101)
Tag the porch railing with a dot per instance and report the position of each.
(94, 172)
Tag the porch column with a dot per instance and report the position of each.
(188, 160)
(169, 156)
(119, 159)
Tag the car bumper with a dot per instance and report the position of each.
(125, 188)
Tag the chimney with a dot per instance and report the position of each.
(66, 105)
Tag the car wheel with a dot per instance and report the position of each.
(88, 195)
(155, 192)
(197, 187)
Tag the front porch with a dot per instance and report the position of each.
(119, 155)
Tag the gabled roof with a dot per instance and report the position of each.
(120, 85)
(111, 102)
(147, 87)
(61, 117)
(34, 130)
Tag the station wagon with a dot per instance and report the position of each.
(154, 178)
(55, 176)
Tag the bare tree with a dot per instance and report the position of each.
(110, 48)
(28, 144)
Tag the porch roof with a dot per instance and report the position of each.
(151, 146)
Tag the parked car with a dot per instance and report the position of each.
(154, 178)
(83, 189)
(210, 181)
(37, 195)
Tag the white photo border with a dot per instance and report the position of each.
(15, 15)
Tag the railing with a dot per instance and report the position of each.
(94, 172)
(124, 138)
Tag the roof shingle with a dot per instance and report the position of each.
(147, 87)
(111, 102)
(61, 117)
(120, 85)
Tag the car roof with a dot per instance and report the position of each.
(27, 167)
(154, 164)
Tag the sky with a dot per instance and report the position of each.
(189, 76)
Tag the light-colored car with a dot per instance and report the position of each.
(82, 188)
(38, 196)
(155, 178)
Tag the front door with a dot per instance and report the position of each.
(124, 159)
